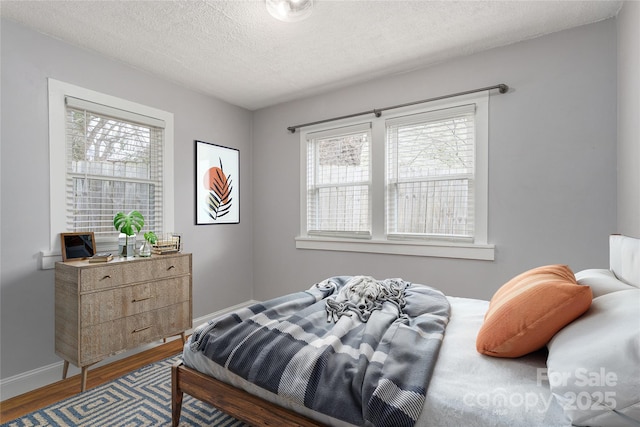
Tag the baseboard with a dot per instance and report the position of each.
(45, 375)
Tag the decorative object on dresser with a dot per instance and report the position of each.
(105, 309)
(101, 257)
(150, 239)
(77, 245)
(170, 244)
(129, 224)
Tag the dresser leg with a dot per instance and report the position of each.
(84, 378)
(85, 369)
(184, 337)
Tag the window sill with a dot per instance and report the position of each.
(400, 247)
(48, 259)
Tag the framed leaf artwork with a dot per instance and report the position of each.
(217, 184)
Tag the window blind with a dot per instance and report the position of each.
(338, 181)
(113, 163)
(106, 110)
(430, 174)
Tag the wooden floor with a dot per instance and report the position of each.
(45, 396)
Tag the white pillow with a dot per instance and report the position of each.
(594, 363)
(601, 281)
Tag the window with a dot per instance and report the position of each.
(413, 182)
(339, 181)
(107, 155)
(113, 164)
(430, 174)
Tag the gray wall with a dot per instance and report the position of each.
(552, 178)
(552, 163)
(628, 119)
(222, 254)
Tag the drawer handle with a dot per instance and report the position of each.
(106, 277)
(141, 329)
(140, 300)
(171, 267)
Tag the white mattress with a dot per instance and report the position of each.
(467, 388)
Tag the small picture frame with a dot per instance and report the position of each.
(78, 245)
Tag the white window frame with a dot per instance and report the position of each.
(58, 91)
(338, 132)
(380, 242)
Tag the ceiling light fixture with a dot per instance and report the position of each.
(290, 10)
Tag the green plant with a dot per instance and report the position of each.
(129, 224)
(151, 237)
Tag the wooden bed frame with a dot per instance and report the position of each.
(230, 400)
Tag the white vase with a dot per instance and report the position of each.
(126, 245)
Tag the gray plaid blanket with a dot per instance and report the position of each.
(352, 347)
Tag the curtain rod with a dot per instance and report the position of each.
(502, 88)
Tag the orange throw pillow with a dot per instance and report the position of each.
(528, 310)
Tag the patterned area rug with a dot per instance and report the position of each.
(141, 398)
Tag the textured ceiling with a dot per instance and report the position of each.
(235, 51)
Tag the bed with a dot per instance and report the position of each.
(550, 349)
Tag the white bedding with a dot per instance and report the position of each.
(467, 388)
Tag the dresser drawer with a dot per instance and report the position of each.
(111, 304)
(117, 273)
(160, 267)
(106, 339)
(101, 277)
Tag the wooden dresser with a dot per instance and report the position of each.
(102, 309)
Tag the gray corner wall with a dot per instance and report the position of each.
(222, 254)
(553, 178)
(552, 166)
(629, 119)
